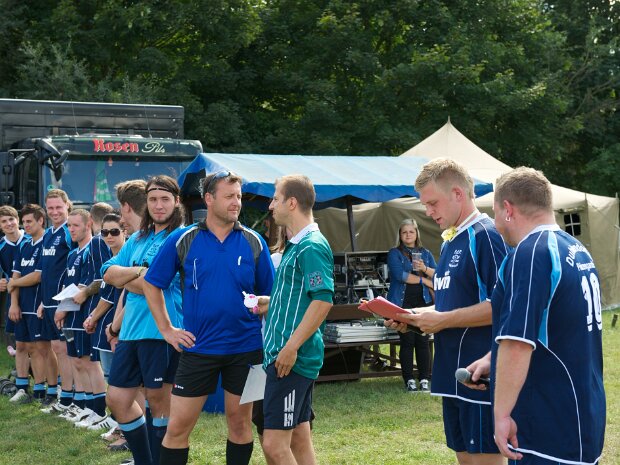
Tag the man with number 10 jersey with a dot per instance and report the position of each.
(547, 358)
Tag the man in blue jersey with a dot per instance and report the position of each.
(219, 260)
(466, 273)
(25, 300)
(89, 397)
(547, 360)
(53, 265)
(13, 237)
(301, 298)
(142, 356)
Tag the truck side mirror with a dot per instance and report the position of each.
(7, 170)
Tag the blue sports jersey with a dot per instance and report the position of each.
(98, 254)
(56, 246)
(138, 322)
(8, 250)
(76, 273)
(548, 295)
(111, 295)
(27, 261)
(215, 275)
(465, 275)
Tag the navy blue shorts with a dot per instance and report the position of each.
(288, 400)
(197, 374)
(468, 426)
(28, 329)
(49, 330)
(94, 353)
(530, 459)
(147, 362)
(79, 344)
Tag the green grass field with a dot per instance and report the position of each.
(371, 422)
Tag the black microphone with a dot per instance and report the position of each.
(464, 376)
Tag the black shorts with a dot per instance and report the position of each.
(288, 400)
(197, 374)
(258, 418)
(148, 362)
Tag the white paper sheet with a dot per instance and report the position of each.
(254, 388)
(68, 305)
(67, 293)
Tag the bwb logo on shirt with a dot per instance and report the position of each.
(49, 252)
(71, 272)
(442, 282)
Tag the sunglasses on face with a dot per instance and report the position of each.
(112, 232)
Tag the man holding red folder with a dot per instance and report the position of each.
(470, 258)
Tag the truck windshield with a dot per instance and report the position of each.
(90, 180)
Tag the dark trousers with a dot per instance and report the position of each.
(408, 342)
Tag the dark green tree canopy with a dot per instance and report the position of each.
(532, 83)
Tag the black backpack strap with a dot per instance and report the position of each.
(183, 244)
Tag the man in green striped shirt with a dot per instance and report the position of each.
(301, 297)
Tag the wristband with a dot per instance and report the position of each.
(112, 332)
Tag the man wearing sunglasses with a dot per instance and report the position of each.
(219, 260)
(142, 356)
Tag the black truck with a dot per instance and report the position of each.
(86, 148)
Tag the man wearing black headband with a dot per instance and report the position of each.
(142, 356)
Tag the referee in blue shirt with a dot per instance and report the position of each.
(219, 260)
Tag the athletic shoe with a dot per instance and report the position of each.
(424, 386)
(75, 413)
(127, 462)
(55, 407)
(89, 420)
(112, 435)
(81, 414)
(104, 423)
(47, 401)
(411, 387)
(119, 445)
(21, 397)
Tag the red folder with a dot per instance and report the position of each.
(386, 309)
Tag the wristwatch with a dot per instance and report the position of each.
(140, 270)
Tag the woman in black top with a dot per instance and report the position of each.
(411, 268)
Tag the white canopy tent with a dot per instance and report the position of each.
(591, 218)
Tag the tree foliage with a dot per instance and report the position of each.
(532, 83)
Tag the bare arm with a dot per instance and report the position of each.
(315, 315)
(31, 279)
(15, 312)
(176, 337)
(432, 322)
(513, 363)
(136, 286)
(118, 276)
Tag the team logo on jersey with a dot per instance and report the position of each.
(49, 252)
(57, 240)
(315, 279)
(442, 282)
(71, 272)
(289, 408)
(456, 258)
(26, 263)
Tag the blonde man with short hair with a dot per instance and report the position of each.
(466, 273)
